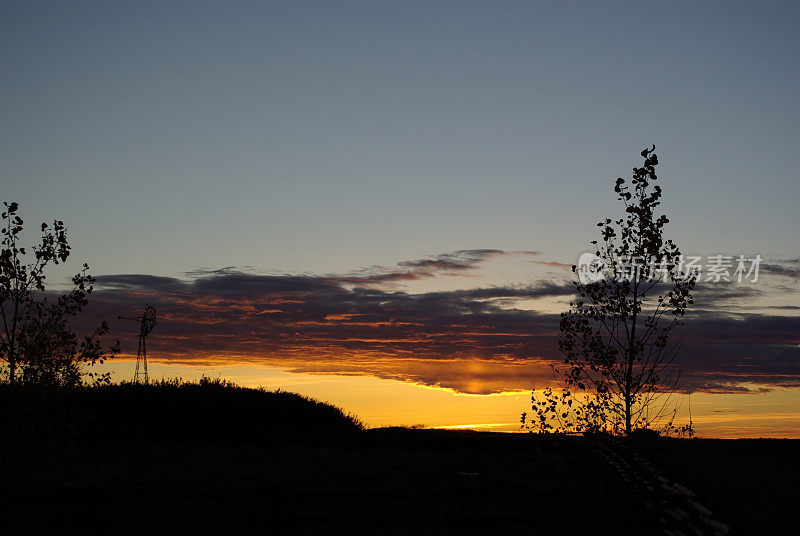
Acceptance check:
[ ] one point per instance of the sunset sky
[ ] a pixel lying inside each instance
(377, 203)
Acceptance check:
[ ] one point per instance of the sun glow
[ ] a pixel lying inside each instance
(385, 401)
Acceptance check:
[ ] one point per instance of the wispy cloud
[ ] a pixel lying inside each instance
(456, 263)
(785, 267)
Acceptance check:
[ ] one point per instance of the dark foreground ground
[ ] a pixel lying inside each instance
(153, 465)
(397, 482)
(386, 482)
(751, 484)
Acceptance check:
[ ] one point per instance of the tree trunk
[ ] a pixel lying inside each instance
(631, 359)
(627, 414)
(12, 341)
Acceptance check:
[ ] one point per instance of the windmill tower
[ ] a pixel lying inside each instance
(147, 321)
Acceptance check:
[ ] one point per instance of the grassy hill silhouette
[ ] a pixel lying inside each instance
(208, 411)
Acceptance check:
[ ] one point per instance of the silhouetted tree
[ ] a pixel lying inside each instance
(618, 372)
(36, 340)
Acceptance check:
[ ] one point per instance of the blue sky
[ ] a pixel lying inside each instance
(306, 137)
(375, 175)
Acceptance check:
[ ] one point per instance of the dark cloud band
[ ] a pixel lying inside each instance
(350, 325)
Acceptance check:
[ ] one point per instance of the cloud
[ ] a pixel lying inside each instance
(465, 259)
(475, 340)
(786, 268)
(456, 263)
(137, 281)
(729, 353)
(554, 264)
(323, 323)
(721, 294)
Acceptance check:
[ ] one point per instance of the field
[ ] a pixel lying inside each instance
(121, 477)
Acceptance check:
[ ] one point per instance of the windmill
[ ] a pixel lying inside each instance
(147, 321)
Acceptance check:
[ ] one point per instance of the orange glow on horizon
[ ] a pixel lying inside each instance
(396, 400)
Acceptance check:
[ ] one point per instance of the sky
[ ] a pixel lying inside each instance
(205, 155)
